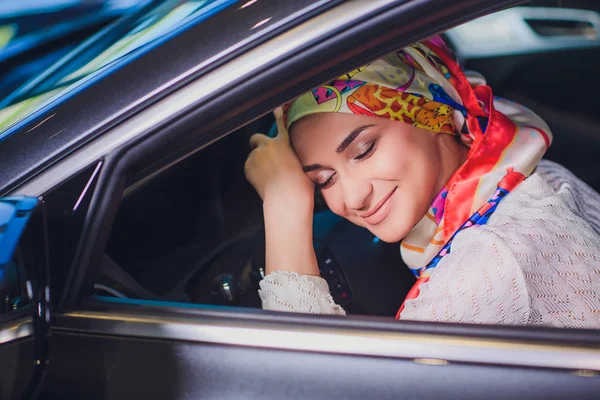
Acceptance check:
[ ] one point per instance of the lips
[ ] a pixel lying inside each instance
(380, 211)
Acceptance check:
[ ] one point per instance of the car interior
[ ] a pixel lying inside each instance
(215, 254)
(193, 231)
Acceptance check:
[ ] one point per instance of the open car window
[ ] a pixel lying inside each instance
(194, 233)
(214, 254)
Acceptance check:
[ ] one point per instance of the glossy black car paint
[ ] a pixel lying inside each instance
(43, 38)
(17, 367)
(179, 369)
(128, 87)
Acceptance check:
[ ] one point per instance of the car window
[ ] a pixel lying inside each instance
(35, 36)
(194, 233)
(56, 225)
(66, 209)
(113, 45)
(156, 251)
(7, 33)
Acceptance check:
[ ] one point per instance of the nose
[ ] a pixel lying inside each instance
(357, 193)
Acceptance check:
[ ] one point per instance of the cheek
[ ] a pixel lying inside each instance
(412, 160)
(418, 183)
(417, 199)
(390, 165)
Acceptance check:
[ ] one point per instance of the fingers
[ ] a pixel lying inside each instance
(257, 139)
(281, 128)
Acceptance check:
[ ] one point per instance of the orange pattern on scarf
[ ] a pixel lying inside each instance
(400, 106)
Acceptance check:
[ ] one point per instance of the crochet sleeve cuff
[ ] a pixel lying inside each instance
(292, 292)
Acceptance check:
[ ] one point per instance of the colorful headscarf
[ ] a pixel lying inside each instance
(423, 85)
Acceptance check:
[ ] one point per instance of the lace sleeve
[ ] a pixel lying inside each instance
(289, 291)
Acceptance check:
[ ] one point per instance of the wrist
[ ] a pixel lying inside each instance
(287, 203)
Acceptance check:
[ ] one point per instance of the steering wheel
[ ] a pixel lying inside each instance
(364, 274)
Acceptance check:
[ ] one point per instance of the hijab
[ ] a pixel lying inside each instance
(423, 85)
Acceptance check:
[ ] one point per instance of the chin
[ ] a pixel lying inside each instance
(394, 228)
(389, 237)
(390, 234)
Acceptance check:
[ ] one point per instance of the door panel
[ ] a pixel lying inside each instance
(109, 367)
(16, 367)
(16, 356)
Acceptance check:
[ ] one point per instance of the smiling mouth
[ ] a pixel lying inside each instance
(380, 211)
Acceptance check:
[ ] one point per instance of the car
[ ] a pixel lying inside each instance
(35, 34)
(129, 264)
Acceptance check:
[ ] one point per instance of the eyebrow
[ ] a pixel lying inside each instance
(350, 138)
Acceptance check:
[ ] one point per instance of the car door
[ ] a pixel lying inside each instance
(113, 347)
(38, 237)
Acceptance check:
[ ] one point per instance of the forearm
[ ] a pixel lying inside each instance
(288, 236)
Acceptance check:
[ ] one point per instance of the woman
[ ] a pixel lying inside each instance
(408, 148)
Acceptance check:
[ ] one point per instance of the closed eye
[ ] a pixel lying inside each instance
(368, 150)
(325, 184)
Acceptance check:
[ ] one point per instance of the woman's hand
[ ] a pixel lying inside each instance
(275, 171)
(288, 201)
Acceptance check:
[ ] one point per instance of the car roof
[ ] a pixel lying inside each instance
(134, 82)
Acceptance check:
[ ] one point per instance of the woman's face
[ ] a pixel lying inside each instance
(377, 173)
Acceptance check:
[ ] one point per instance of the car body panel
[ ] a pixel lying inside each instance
(208, 324)
(208, 87)
(52, 132)
(201, 353)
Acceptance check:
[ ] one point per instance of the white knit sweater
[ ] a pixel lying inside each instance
(535, 262)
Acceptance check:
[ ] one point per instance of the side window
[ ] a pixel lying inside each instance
(66, 210)
(187, 234)
(194, 233)
(47, 245)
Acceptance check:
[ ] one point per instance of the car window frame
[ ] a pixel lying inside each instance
(220, 119)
